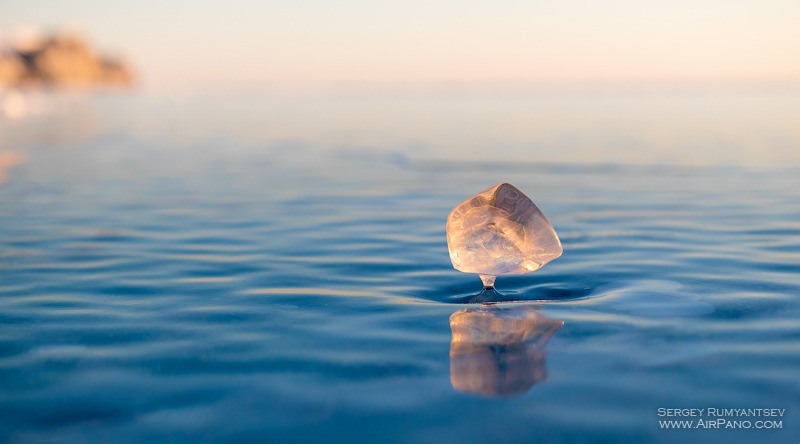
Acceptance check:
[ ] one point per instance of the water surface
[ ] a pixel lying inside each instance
(241, 279)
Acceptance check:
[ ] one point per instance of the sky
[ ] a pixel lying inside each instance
(418, 44)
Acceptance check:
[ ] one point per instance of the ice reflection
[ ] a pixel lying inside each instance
(499, 351)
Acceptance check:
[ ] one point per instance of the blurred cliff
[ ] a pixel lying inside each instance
(60, 61)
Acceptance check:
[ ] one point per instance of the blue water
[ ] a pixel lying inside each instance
(166, 280)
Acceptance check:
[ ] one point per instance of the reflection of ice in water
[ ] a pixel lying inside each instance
(500, 231)
(499, 352)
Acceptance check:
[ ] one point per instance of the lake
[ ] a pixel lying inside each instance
(271, 268)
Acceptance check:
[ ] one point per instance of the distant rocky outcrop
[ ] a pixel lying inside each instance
(60, 61)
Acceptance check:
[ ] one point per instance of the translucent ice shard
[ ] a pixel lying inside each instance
(500, 231)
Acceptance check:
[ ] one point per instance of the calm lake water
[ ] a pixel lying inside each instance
(275, 269)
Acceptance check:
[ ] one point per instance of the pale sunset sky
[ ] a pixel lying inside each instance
(322, 45)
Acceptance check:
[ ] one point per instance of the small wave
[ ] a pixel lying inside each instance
(649, 298)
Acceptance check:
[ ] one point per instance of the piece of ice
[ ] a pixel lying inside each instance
(500, 231)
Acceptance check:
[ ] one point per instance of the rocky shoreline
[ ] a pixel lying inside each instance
(60, 61)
